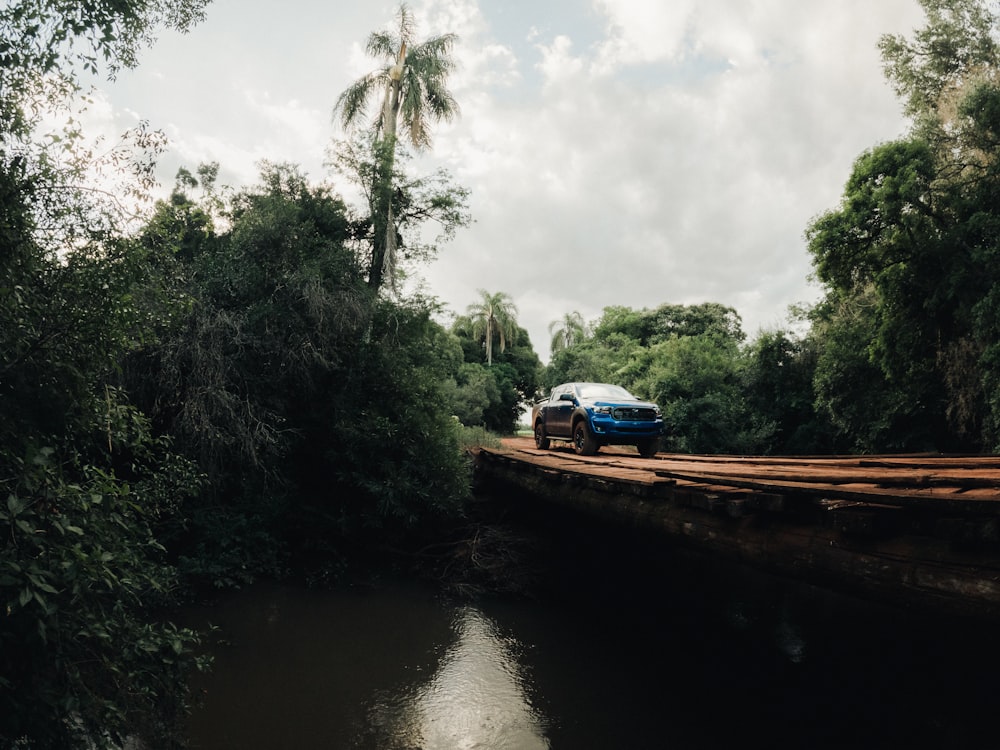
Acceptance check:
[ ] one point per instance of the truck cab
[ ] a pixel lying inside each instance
(590, 415)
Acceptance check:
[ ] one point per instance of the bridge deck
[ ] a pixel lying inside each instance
(954, 483)
(913, 529)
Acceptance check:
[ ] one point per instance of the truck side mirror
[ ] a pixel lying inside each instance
(566, 397)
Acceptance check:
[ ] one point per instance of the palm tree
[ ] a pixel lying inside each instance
(494, 316)
(412, 84)
(568, 331)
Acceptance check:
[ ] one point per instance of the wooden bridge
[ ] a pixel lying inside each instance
(916, 530)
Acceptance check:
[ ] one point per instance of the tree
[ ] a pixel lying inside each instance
(705, 319)
(274, 306)
(611, 359)
(909, 255)
(624, 321)
(390, 464)
(776, 377)
(413, 87)
(695, 381)
(958, 43)
(567, 332)
(494, 317)
(471, 393)
(670, 321)
(508, 384)
(44, 43)
(516, 370)
(417, 200)
(85, 656)
(313, 407)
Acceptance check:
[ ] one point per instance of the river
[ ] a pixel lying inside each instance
(610, 649)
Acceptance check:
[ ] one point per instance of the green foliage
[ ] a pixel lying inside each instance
(412, 90)
(494, 395)
(179, 229)
(83, 654)
(471, 393)
(44, 39)
(695, 381)
(957, 42)
(667, 321)
(909, 255)
(415, 201)
(492, 320)
(84, 657)
(503, 413)
(867, 411)
(477, 437)
(777, 382)
(572, 329)
(314, 409)
(886, 207)
(273, 303)
(411, 87)
(391, 459)
(689, 360)
(260, 349)
(611, 358)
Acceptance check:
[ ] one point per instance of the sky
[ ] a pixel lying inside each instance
(617, 152)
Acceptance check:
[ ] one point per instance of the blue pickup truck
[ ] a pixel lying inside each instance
(594, 414)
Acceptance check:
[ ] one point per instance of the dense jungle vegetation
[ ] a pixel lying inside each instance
(234, 387)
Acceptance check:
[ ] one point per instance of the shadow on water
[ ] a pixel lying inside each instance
(394, 668)
(621, 646)
(709, 654)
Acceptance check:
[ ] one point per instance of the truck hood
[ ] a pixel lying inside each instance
(619, 403)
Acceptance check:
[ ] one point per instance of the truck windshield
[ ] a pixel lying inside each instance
(604, 390)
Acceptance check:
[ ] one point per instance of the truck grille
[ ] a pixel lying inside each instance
(633, 414)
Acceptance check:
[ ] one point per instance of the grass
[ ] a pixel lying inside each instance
(476, 437)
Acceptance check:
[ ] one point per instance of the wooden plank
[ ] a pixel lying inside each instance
(896, 477)
(953, 483)
(859, 537)
(927, 499)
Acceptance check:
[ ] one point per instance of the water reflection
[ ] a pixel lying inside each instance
(478, 698)
(392, 669)
(789, 641)
(603, 661)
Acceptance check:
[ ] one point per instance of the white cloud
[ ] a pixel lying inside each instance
(288, 122)
(558, 65)
(639, 31)
(625, 152)
(689, 179)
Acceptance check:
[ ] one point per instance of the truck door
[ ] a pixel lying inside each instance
(560, 414)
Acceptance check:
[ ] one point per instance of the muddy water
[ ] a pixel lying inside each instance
(391, 667)
(613, 651)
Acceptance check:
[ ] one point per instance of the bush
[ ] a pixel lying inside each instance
(476, 437)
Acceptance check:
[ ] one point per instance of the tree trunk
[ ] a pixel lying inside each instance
(383, 264)
(384, 245)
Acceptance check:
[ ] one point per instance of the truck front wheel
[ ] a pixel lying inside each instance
(583, 442)
(541, 442)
